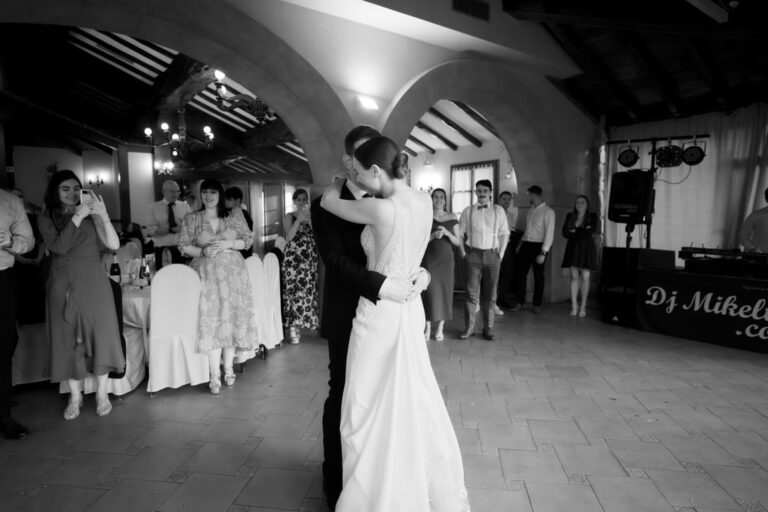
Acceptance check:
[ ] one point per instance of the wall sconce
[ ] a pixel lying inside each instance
(97, 183)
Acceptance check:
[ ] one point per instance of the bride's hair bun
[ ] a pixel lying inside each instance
(383, 152)
(400, 166)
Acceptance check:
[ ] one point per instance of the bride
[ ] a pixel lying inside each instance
(399, 450)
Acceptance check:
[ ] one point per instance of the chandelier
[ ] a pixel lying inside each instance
(178, 140)
(228, 101)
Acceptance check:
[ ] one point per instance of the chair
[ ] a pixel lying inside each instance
(258, 287)
(173, 316)
(274, 317)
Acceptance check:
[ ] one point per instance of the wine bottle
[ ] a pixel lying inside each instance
(114, 269)
(144, 273)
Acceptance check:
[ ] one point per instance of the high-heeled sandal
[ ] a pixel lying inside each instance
(574, 310)
(103, 406)
(72, 410)
(582, 313)
(439, 337)
(293, 335)
(215, 384)
(229, 377)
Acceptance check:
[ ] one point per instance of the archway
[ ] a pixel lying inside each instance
(220, 35)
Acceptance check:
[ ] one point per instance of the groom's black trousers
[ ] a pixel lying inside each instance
(332, 472)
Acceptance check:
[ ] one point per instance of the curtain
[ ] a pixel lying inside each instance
(706, 204)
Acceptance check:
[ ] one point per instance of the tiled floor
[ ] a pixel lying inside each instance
(558, 414)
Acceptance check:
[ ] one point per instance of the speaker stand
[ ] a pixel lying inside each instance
(629, 228)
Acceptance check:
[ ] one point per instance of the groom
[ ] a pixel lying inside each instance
(346, 280)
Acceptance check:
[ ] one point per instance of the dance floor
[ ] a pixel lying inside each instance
(557, 414)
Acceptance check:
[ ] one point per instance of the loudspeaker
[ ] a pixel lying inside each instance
(631, 198)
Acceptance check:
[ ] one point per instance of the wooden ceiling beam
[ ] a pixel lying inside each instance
(708, 69)
(437, 134)
(653, 71)
(409, 151)
(459, 129)
(422, 144)
(477, 117)
(592, 66)
(659, 16)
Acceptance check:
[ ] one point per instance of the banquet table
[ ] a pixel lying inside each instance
(31, 360)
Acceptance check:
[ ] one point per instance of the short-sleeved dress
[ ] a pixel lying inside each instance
(580, 250)
(227, 316)
(438, 260)
(80, 316)
(299, 279)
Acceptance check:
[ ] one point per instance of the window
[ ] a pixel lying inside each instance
(463, 179)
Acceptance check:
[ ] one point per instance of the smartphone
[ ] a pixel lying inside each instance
(86, 195)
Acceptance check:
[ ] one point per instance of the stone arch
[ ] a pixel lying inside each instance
(219, 35)
(497, 92)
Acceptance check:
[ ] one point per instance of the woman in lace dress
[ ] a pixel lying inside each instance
(227, 320)
(299, 270)
(399, 450)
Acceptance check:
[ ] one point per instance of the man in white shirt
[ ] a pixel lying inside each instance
(483, 227)
(165, 219)
(536, 244)
(15, 238)
(754, 231)
(506, 287)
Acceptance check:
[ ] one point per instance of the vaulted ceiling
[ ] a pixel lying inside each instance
(81, 88)
(646, 60)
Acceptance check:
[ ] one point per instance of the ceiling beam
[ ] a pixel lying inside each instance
(437, 134)
(653, 71)
(421, 143)
(708, 69)
(659, 16)
(183, 79)
(409, 151)
(477, 117)
(461, 131)
(592, 66)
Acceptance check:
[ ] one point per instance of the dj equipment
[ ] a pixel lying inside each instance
(631, 197)
(725, 262)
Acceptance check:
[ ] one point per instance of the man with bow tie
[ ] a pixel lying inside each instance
(165, 220)
(483, 226)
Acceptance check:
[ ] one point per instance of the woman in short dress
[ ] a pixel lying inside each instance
(439, 261)
(81, 318)
(227, 320)
(580, 252)
(299, 271)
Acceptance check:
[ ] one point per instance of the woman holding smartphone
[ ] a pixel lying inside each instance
(80, 316)
(300, 269)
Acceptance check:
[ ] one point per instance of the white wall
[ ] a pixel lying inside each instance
(31, 163)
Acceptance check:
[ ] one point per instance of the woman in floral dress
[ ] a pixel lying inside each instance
(300, 270)
(227, 319)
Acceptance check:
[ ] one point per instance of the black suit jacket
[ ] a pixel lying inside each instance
(346, 275)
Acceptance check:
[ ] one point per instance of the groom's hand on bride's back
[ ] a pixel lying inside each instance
(396, 289)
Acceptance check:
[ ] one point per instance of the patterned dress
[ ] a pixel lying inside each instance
(227, 315)
(300, 279)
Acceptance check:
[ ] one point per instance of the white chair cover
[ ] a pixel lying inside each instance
(173, 314)
(274, 320)
(256, 275)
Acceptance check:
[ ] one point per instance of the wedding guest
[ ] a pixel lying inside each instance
(580, 252)
(754, 232)
(15, 238)
(484, 228)
(81, 322)
(537, 242)
(439, 261)
(165, 218)
(227, 320)
(299, 269)
(506, 288)
(233, 198)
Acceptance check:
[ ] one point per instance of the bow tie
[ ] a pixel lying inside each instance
(481, 206)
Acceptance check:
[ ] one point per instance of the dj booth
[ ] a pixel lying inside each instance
(720, 297)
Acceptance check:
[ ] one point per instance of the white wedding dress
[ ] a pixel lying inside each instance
(399, 450)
